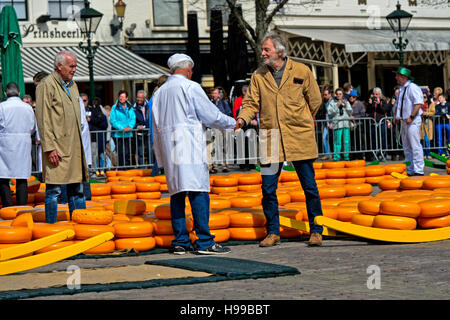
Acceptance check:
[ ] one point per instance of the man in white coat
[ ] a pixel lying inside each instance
(16, 127)
(181, 112)
(409, 109)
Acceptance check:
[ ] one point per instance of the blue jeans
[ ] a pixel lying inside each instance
(53, 192)
(305, 172)
(439, 141)
(86, 192)
(326, 143)
(426, 145)
(200, 210)
(142, 146)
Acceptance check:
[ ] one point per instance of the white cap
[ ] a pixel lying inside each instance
(178, 57)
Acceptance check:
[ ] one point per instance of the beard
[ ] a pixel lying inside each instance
(270, 61)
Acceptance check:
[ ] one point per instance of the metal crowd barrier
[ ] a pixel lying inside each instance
(367, 139)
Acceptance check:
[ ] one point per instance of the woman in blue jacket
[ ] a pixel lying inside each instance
(123, 119)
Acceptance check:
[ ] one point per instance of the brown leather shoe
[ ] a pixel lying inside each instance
(270, 240)
(315, 239)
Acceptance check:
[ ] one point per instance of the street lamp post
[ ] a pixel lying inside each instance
(88, 22)
(399, 21)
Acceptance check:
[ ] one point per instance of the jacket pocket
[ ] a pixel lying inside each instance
(63, 145)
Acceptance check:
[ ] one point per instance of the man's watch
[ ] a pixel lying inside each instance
(412, 117)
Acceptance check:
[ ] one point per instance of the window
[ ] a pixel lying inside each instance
(218, 4)
(19, 5)
(63, 9)
(168, 13)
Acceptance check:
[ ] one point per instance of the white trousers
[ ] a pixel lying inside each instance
(412, 147)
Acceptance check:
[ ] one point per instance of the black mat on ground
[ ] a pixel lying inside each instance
(229, 267)
(223, 269)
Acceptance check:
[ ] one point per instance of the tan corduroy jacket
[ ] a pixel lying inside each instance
(286, 112)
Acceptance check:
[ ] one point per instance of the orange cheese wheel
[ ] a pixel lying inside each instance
(288, 176)
(249, 187)
(332, 192)
(85, 231)
(247, 219)
(219, 190)
(10, 234)
(227, 211)
(126, 173)
(431, 184)
(124, 196)
(100, 189)
(6, 222)
(327, 211)
(400, 208)
(340, 181)
(163, 188)
(162, 211)
(104, 248)
(362, 189)
(218, 221)
(289, 233)
(38, 214)
(297, 196)
(222, 181)
(355, 180)
(144, 179)
(55, 246)
(149, 195)
(100, 198)
(333, 164)
(220, 235)
(411, 183)
(394, 222)
(389, 184)
(120, 217)
(283, 198)
(337, 174)
(345, 214)
(23, 220)
(88, 216)
(39, 197)
(355, 164)
(137, 244)
(164, 241)
(317, 165)
(164, 227)
(320, 174)
(42, 229)
(113, 179)
(161, 179)
(363, 220)
(250, 179)
(9, 213)
(434, 208)
(374, 180)
(147, 186)
(110, 173)
(375, 170)
(413, 198)
(442, 190)
(250, 233)
(133, 229)
(123, 188)
(437, 222)
(245, 202)
(129, 179)
(219, 203)
(369, 207)
(389, 168)
(131, 207)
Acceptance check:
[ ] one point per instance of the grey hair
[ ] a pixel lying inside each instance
(60, 58)
(378, 90)
(278, 42)
(12, 90)
(142, 91)
(184, 64)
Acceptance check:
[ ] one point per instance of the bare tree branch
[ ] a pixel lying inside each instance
(275, 10)
(246, 28)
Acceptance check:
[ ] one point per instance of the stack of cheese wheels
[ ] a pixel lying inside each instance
(89, 223)
(218, 227)
(224, 184)
(100, 191)
(147, 188)
(163, 183)
(249, 182)
(19, 231)
(248, 225)
(136, 235)
(448, 166)
(434, 213)
(123, 190)
(38, 214)
(162, 225)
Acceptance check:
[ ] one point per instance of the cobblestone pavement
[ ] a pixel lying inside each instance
(337, 270)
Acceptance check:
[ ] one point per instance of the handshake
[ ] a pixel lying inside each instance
(239, 125)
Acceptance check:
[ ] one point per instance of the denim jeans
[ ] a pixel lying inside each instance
(439, 128)
(426, 145)
(305, 172)
(200, 210)
(86, 192)
(143, 147)
(53, 192)
(326, 143)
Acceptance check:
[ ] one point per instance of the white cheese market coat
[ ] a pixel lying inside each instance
(181, 112)
(17, 123)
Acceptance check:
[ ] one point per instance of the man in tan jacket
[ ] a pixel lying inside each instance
(58, 119)
(287, 97)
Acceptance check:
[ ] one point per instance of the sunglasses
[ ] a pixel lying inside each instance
(84, 100)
